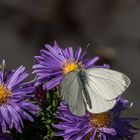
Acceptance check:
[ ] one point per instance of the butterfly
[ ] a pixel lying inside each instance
(94, 90)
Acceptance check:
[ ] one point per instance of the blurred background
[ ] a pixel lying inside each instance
(111, 27)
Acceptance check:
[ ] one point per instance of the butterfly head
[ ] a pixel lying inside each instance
(80, 66)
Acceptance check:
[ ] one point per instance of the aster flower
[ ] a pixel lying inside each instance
(14, 106)
(54, 63)
(104, 126)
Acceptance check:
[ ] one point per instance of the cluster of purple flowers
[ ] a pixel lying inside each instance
(53, 64)
(50, 68)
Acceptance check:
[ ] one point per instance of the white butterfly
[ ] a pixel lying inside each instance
(94, 90)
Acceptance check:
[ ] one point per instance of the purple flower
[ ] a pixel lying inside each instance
(54, 63)
(14, 106)
(104, 126)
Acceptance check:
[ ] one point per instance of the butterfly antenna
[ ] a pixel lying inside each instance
(86, 47)
(84, 53)
(2, 68)
(3, 65)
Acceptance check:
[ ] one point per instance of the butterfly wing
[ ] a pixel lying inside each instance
(108, 84)
(71, 93)
(99, 104)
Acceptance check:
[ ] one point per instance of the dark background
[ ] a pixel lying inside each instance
(111, 27)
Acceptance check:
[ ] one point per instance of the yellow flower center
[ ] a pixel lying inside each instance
(4, 94)
(70, 66)
(101, 120)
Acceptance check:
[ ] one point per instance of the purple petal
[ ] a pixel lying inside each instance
(28, 116)
(70, 52)
(93, 136)
(78, 53)
(3, 125)
(55, 53)
(5, 114)
(54, 82)
(15, 117)
(91, 62)
(13, 79)
(110, 131)
(1, 77)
